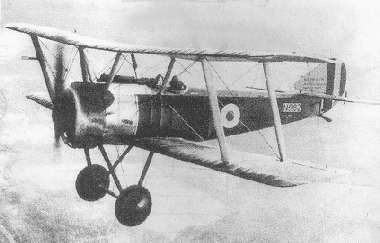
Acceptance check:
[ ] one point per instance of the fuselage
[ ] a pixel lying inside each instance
(130, 115)
(124, 112)
(189, 116)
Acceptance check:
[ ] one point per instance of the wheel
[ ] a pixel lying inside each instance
(92, 182)
(133, 205)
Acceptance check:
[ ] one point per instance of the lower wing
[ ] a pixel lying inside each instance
(264, 169)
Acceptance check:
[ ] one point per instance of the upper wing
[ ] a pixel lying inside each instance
(260, 168)
(70, 38)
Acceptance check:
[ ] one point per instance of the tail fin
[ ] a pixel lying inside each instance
(327, 79)
(314, 81)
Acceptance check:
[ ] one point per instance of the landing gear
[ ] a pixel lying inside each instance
(133, 204)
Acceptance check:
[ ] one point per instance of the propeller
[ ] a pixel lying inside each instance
(58, 100)
(94, 100)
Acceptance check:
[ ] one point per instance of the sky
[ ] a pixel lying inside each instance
(342, 29)
(233, 209)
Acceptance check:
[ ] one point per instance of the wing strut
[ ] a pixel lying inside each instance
(167, 75)
(42, 60)
(86, 77)
(216, 117)
(134, 64)
(114, 69)
(276, 114)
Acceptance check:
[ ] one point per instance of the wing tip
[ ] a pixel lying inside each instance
(11, 26)
(15, 26)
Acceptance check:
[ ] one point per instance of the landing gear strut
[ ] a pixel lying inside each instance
(133, 204)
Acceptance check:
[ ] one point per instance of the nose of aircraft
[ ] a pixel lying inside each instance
(84, 111)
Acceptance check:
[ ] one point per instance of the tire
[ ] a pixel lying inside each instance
(133, 205)
(91, 182)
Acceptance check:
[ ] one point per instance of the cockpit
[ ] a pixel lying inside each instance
(175, 85)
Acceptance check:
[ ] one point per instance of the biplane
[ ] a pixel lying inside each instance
(174, 120)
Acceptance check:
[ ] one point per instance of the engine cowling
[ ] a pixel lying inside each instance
(84, 113)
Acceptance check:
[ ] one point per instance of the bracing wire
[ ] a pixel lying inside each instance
(185, 121)
(145, 69)
(185, 69)
(262, 135)
(47, 63)
(106, 68)
(48, 50)
(71, 64)
(118, 155)
(67, 70)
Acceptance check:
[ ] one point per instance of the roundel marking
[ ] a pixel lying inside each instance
(230, 115)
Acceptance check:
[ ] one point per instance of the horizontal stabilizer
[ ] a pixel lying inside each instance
(256, 167)
(41, 101)
(344, 99)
